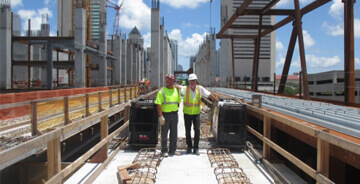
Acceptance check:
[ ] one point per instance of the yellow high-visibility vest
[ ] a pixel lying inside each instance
(191, 106)
(169, 103)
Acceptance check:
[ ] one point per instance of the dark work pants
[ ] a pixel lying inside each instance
(195, 120)
(171, 122)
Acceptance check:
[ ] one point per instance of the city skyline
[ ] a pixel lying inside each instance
(323, 36)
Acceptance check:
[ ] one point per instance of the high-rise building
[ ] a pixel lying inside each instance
(244, 48)
(135, 37)
(16, 25)
(95, 19)
(174, 51)
(192, 61)
(64, 19)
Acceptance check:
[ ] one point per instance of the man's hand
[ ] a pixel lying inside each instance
(162, 120)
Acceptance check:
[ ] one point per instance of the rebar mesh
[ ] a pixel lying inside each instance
(149, 159)
(227, 169)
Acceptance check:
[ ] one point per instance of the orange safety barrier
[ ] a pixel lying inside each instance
(37, 95)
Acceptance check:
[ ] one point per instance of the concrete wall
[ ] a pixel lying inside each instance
(123, 61)
(205, 62)
(155, 48)
(330, 85)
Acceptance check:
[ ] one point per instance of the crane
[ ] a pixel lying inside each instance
(117, 16)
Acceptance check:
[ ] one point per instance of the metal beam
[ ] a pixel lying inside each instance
(34, 38)
(255, 74)
(50, 66)
(349, 75)
(233, 62)
(269, 12)
(236, 36)
(236, 26)
(269, 6)
(288, 58)
(310, 7)
(301, 48)
(57, 64)
(232, 19)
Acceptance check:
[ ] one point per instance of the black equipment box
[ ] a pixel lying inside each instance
(143, 123)
(229, 123)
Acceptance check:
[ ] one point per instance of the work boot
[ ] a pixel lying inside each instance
(164, 154)
(174, 153)
(188, 150)
(196, 151)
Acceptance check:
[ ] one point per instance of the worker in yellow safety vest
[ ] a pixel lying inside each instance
(167, 102)
(192, 98)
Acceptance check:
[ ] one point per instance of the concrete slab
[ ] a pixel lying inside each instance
(186, 169)
(288, 174)
(255, 172)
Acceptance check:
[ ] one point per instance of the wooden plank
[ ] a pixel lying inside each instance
(110, 98)
(119, 95)
(34, 118)
(66, 111)
(53, 157)
(77, 163)
(267, 134)
(76, 127)
(102, 154)
(338, 141)
(301, 165)
(100, 107)
(124, 176)
(129, 166)
(131, 95)
(99, 169)
(15, 154)
(87, 106)
(323, 156)
(125, 92)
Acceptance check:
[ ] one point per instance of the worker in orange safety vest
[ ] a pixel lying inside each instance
(192, 98)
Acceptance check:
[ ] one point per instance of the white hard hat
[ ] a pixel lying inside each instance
(192, 77)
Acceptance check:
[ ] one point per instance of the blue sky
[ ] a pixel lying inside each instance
(188, 21)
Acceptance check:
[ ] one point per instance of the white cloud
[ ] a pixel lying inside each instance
(357, 28)
(46, 2)
(308, 41)
(290, 3)
(147, 40)
(187, 47)
(315, 61)
(280, 61)
(338, 29)
(135, 13)
(175, 34)
(334, 30)
(14, 3)
(337, 9)
(279, 45)
(312, 61)
(184, 3)
(357, 61)
(34, 16)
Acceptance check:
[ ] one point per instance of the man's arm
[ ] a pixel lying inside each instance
(208, 94)
(159, 110)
